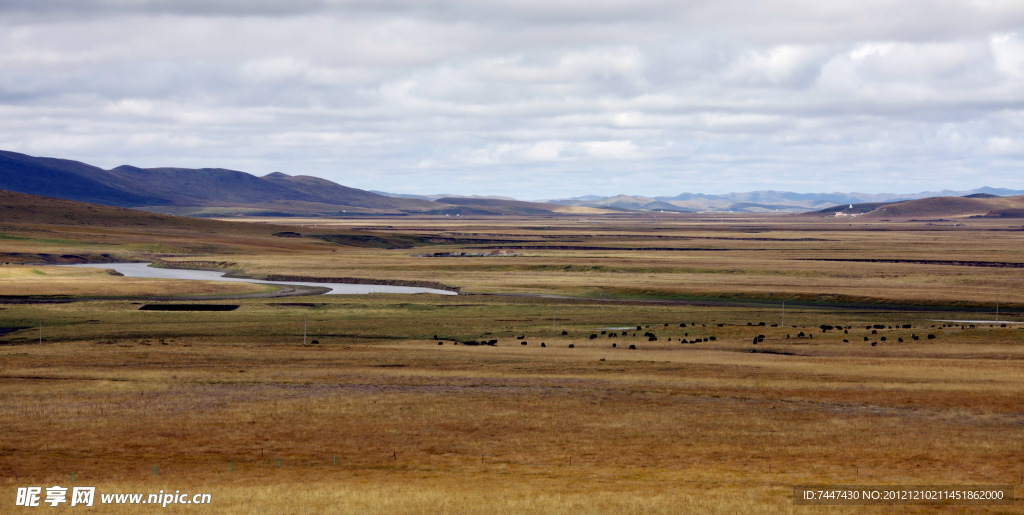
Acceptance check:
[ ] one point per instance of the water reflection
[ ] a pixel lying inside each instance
(143, 270)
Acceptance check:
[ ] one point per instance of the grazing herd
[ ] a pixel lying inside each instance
(873, 334)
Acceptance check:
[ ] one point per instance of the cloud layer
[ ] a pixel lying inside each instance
(533, 99)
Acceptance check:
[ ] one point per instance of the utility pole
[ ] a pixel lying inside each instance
(304, 318)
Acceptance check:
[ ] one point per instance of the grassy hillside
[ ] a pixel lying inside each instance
(935, 207)
(64, 178)
(43, 229)
(948, 207)
(327, 192)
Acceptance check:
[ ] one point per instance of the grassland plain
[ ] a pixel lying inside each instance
(397, 407)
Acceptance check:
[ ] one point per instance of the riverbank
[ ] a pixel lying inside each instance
(233, 270)
(289, 288)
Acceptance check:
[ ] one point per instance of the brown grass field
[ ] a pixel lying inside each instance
(90, 282)
(377, 417)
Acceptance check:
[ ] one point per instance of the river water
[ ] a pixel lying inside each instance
(145, 271)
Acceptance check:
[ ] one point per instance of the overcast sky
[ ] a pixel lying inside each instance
(528, 98)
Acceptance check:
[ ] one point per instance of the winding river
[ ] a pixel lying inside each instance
(145, 271)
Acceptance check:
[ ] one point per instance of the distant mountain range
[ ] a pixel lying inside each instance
(221, 192)
(189, 191)
(762, 201)
(748, 202)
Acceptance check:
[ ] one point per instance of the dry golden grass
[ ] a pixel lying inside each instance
(679, 258)
(89, 282)
(214, 400)
(379, 418)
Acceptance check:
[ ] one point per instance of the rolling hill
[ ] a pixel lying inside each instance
(64, 179)
(935, 208)
(25, 210)
(36, 229)
(192, 191)
(490, 206)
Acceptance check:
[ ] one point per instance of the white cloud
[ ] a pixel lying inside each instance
(132, 107)
(1005, 145)
(871, 49)
(782, 65)
(630, 94)
(1008, 53)
(611, 149)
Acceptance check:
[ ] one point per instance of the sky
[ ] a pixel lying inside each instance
(532, 99)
